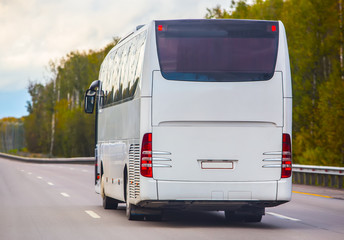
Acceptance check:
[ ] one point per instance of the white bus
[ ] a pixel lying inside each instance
(195, 114)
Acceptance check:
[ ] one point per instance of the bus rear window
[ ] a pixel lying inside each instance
(217, 50)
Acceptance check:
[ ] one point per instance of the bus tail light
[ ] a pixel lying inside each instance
(97, 175)
(286, 156)
(146, 156)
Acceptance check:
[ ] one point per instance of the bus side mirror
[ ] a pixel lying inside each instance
(90, 99)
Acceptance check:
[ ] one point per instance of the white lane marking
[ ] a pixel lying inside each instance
(71, 168)
(50, 183)
(29, 173)
(65, 194)
(283, 217)
(92, 214)
(39, 177)
(22, 170)
(84, 170)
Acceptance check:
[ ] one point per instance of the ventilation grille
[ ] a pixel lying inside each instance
(134, 170)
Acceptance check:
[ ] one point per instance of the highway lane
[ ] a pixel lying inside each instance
(43, 201)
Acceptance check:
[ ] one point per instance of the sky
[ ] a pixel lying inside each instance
(35, 32)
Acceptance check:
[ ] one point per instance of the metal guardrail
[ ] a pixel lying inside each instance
(318, 175)
(77, 160)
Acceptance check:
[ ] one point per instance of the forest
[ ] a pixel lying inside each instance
(315, 41)
(57, 126)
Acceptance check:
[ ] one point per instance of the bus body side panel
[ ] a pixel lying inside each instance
(113, 158)
(120, 134)
(121, 131)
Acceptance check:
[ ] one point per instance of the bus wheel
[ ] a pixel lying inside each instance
(232, 216)
(254, 218)
(154, 218)
(109, 203)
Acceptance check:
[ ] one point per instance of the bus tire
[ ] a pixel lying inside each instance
(232, 217)
(253, 218)
(109, 203)
(154, 218)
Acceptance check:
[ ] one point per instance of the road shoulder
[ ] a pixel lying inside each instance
(317, 190)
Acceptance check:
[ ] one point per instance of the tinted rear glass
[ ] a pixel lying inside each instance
(217, 50)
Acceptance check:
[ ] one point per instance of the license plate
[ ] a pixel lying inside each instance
(217, 165)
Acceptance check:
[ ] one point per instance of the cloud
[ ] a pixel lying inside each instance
(33, 32)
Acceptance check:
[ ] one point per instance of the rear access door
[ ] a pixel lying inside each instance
(217, 103)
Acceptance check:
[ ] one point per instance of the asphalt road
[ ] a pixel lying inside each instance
(43, 201)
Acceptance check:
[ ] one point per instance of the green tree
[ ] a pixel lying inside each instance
(315, 37)
(56, 124)
(11, 135)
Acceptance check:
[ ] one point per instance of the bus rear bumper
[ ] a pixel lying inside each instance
(208, 205)
(219, 191)
(219, 196)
